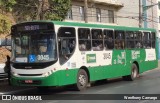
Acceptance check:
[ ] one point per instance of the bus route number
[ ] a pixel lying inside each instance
(107, 56)
(43, 57)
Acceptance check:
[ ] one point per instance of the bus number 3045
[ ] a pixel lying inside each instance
(107, 56)
(43, 57)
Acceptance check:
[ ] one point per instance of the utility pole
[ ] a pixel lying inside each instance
(86, 11)
(45, 7)
(145, 8)
(140, 15)
(39, 10)
(152, 15)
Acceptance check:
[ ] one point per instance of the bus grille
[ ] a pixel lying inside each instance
(30, 74)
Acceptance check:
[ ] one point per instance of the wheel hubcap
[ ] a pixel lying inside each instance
(82, 80)
(134, 72)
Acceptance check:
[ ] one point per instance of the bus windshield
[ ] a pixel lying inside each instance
(34, 48)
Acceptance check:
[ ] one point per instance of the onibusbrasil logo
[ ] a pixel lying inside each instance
(22, 97)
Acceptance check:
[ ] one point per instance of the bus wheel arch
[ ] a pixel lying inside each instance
(83, 78)
(87, 71)
(133, 73)
(135, 62)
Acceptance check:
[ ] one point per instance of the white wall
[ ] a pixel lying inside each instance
(129, 14)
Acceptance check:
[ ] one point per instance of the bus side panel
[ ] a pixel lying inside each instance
(67, 77)
(149, 60)
(59, 78)
(120, 66)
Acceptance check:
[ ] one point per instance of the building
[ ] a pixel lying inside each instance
(158, 16)
(101, 11)
(135, 13)
(117, 12)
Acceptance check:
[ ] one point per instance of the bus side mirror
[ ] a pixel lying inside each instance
(8, 42)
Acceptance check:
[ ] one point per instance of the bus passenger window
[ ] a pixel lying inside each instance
(71, 45)
(97, 39)
(108, 39)
(84, 39)
(153, 36)
(146, 40)
(66, 44)
(119, 40)
(82, 45)
(130, 39)
(138, 39)
(98, 47)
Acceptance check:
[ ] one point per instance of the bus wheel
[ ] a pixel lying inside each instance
(82, 80)
(134, 73)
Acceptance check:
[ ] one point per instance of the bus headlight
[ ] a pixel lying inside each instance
(14, 74)
(47, 73)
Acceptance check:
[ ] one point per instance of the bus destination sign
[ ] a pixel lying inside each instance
(32, 27)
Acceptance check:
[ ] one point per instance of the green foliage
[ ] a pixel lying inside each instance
(27, 10)
(5, 24)
(58, 9)
(7, 5)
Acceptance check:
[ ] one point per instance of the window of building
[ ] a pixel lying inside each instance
(69, 15)
(147, 39)
(97, 39)
(108, 39)
(84, 39)
(111, 16)
(98, 14)
(81, 11)
(119, 39)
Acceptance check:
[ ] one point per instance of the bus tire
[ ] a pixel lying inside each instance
(134, 73)
(82, 80)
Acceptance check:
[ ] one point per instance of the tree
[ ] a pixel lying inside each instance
(26, 10)
(57, 10)
(5, 24)
(5, 21)
(6, 5)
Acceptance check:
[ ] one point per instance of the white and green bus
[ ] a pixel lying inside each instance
(55, 53)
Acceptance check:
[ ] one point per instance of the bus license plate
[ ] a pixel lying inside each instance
(28, 81)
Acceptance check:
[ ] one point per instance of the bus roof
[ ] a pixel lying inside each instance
(78, 24)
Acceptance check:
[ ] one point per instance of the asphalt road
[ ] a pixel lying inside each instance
(147, 83)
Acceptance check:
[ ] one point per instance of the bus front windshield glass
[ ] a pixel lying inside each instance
(34, 48)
